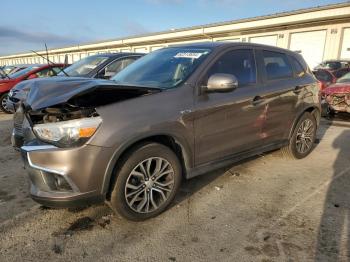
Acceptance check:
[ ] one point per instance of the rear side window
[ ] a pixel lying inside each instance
(341, 72)
(277, 65)
(119, 65)
(240, 63)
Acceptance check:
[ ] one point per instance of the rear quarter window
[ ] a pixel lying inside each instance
(299, 69)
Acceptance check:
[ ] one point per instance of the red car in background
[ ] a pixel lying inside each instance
(337, 96)
(329, 71)
(325, 77)
(7, 70)
(31, 72)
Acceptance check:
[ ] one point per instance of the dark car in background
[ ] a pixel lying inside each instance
(101, 66)
(334, 65)
(97, 66)
(337, 67)
(175, 113)
(30, 72)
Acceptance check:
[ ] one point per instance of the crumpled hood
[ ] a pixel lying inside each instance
(339, 88)
(48, 92)
(25, 84)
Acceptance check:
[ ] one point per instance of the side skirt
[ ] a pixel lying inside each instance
(214, 165)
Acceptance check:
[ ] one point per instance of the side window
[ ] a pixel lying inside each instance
(277, 65)
(299, 70)
(240, 63)
(56, 70)
(44, 73)
(341, 72)
(119, 65)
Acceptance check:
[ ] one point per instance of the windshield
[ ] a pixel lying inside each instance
(84, 66)
(23, 72)
(164, 68)
(344, 79)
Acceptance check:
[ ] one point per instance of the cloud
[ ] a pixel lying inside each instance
(9, 34)
(16, 40)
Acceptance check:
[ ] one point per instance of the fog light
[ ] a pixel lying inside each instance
(61, 183)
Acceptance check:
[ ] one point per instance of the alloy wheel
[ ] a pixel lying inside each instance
(305, 136)
(149, 185)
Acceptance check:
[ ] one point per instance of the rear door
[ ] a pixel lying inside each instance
(282, 93)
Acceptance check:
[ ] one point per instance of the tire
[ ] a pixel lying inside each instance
(133, 182)
(327, 111)
(330, 112)
(293, 149)
(3, 99)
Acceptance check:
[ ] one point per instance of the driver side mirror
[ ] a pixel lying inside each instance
(222, 83)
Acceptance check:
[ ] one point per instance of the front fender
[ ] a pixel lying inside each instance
(187, 153)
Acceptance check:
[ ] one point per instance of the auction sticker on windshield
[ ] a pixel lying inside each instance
(190, 55)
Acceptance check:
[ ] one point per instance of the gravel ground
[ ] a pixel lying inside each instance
(263, 209)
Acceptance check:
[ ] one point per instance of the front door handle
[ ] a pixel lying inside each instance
(257, 100)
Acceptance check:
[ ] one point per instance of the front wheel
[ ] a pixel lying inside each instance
(303, 138)
(3, 103)
(147, 182)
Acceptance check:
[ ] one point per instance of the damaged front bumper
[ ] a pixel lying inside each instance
(66, 177)
(338, 102)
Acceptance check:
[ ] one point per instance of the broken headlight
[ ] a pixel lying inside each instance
(68, 133)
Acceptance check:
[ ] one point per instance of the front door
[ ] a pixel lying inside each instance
(228, 123)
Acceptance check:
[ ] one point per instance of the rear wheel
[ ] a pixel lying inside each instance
(147, 182)
(3, 103)
(302, 141)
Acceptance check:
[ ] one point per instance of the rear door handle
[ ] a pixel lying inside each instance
(257, 100)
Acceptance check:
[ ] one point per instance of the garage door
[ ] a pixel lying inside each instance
(76, 57)
(310, 45)
(345, 48)
(265, 40)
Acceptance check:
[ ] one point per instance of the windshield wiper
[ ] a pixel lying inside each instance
(5, 74)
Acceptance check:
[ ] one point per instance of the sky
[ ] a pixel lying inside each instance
(28, 25)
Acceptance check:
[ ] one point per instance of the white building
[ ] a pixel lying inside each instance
(318, 33)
